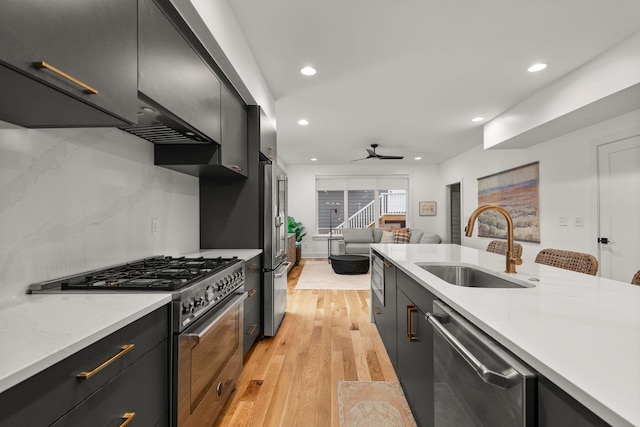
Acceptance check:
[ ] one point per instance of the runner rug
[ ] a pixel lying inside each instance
(320, 275)
(373, 404)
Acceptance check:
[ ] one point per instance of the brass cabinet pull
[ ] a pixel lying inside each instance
(123, 350)
(375, 310)
(127, 417)
(86, 87)
(410, 310)
(253, 328)
(252, 292)
(236, 167)
(386, 264)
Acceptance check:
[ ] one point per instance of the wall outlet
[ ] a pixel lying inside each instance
(563, 221)
(579, 221)
(155, 227)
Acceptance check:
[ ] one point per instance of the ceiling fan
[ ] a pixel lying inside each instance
(374, 155)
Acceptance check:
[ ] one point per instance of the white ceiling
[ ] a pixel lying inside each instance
(411, 74)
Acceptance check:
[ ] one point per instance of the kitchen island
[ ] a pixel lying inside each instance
(580, 332)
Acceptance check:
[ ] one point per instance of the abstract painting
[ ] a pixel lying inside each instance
(516, 190)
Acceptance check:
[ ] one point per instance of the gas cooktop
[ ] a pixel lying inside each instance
(156, 273)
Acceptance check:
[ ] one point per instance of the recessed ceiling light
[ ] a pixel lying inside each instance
(308, 71)
(314, 159)
(303, 122)
(417, 158)
(537, 67)
(477, 119)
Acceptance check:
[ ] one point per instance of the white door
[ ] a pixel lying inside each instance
(619, 208)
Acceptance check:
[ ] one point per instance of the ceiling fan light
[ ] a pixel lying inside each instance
(417, 158)
(313, 159)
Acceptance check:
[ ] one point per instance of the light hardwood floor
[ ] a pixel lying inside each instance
(291, 379)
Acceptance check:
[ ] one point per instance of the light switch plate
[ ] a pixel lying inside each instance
(579, 221)
(563, 221)
(155, 227)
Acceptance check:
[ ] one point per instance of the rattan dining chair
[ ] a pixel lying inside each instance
(500, 247)
(575, 261)
(636, 279)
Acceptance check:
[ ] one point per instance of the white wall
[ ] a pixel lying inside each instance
(72, 200)
(424, 184)
(568, 182)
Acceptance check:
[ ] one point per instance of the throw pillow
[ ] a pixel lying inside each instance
(387, 237)
(401, 236)
(430, 238)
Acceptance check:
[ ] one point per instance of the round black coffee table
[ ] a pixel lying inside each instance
(350, 264)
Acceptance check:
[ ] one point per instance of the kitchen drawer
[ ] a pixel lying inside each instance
(252, 324)
(48, 395)
(141, 391)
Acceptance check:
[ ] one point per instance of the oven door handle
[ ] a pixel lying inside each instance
(201, 331)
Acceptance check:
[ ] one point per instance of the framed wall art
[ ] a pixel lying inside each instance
(516, 190)
(427, 208)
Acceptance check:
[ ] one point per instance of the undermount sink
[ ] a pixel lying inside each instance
(469, 276)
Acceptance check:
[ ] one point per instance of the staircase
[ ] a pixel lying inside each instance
(391, 204)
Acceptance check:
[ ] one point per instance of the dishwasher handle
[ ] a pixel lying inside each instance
(503, 380)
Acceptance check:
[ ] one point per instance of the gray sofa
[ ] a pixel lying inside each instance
(356, 241)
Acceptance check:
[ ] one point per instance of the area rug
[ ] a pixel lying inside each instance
(373, 404)
(320, 275)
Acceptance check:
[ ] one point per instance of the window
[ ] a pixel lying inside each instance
(330, 210)
(363, 201)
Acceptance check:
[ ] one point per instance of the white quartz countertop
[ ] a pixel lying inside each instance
(580, 331)
(37, 331)
(245, 254)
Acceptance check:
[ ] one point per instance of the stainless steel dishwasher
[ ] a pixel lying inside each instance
(477, 383)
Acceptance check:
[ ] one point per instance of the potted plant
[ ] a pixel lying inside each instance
(296, 227)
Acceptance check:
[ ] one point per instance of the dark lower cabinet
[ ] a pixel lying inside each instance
(66, 64)
(253, 303)
(557, 409)
(135, 384)
(415, 348)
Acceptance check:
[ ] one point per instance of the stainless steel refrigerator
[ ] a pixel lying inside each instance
(275, 265)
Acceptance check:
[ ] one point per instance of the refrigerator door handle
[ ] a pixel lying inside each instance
(284, 267)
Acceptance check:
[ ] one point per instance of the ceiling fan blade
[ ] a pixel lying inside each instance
(371, 153)
(390, 157)
(357, 160)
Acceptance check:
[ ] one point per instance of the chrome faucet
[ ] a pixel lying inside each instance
(512, 259)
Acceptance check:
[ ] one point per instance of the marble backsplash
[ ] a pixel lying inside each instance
(72, 200)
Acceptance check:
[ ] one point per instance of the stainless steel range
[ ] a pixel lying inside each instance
(207, 323)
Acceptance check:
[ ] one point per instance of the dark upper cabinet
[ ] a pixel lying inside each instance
(234, 133)
(173, 74)
(89, 45)
(268, 138)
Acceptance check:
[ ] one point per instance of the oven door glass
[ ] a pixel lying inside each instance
(206, 349)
